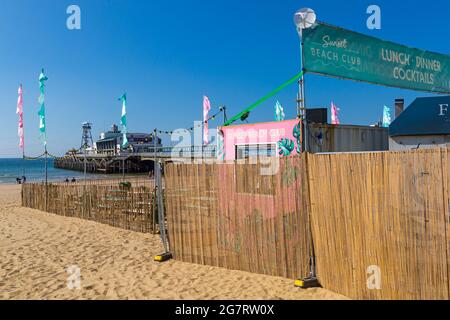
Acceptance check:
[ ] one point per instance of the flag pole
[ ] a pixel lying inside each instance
(23, 150)
(43, 129)
(23, 161)
(85, 165)
(46, 177)
(123, 121)
(46, 166)
(22, 139)
(224, 108)
(154, 152)
(84, 178)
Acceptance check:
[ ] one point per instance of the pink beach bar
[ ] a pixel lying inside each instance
(261, 139)
(267, 195)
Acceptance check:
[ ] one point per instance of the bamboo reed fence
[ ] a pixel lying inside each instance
(232, 216)
(364, 213)
(108, 202)
(384, 212)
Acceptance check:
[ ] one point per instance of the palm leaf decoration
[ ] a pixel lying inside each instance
(286, 147)
(296, 132)
(297, 135)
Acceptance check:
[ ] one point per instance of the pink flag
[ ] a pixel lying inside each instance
(334, 114)
(19, 111)
(206, 109)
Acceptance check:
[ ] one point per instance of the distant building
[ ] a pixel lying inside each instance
(110, 143)
(326, 138)
(323, 137)
(424, 124)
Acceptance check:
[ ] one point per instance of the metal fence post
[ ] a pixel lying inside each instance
(160, 200)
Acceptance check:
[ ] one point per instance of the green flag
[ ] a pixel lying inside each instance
(123, 119)
(386, 117)
(279, 112)
(41, 113)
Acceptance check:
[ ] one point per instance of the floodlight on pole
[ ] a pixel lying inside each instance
(304, 18)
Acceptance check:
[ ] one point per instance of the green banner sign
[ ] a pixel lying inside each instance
(333, 51)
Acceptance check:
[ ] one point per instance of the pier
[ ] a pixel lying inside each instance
(134, 162)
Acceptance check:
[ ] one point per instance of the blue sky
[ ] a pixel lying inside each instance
(167, 54)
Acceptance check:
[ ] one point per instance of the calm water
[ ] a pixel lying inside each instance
(10, 169)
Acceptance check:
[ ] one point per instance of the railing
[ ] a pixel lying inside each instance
(208, 152)
(176, 152)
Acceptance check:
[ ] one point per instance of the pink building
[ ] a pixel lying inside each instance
(260, 139)
(267, 195)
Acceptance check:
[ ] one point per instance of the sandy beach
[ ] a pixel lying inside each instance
(36, 249)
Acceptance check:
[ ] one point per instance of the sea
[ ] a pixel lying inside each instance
(34, 171)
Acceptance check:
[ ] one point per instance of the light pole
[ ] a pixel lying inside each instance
(303, 19)
(155, 133)
(85, 163)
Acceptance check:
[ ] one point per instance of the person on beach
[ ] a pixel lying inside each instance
(18, 181)
(67, 180)
(24, 179)
(73, 180)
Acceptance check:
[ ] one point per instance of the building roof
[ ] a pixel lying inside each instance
(106, 140)
(425, 116)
